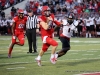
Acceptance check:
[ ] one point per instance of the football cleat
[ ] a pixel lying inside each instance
(9, 55)
(53, 60)
(38, 62)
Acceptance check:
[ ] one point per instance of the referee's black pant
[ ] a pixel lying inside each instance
(31, 36)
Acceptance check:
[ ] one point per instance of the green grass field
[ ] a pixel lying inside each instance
(84, 57)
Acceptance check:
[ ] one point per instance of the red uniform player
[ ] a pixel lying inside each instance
(46, 21)
(18, 30)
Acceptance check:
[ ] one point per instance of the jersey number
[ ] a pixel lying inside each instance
(21, 26)
(69, 30)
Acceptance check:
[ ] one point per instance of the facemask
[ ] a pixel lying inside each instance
(70, 21)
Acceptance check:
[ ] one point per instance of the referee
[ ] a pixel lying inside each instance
(31, 31)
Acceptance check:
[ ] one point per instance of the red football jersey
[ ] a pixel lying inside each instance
(20, 23)
(50, 31)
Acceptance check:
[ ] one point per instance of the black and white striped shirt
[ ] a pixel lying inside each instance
(31, 22)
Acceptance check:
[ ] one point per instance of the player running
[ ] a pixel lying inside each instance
(69, 25)
(18, 30)
(46, 21)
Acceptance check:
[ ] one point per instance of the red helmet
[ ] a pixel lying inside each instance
(45, 8)
(20, 11)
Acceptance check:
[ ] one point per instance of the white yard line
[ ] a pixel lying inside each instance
(89, 50)
(92, 51)
(94, 73)
(78, 41)
(45, 61)
(87, 54)
(15, 68)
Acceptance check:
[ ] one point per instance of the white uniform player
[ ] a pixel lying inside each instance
(87, 23)
(92, 25)
(97, 19)
(69, 24)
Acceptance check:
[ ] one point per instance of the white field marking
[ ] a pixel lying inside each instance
(74, 41)
(87, 54)
(5, 38)
(69, 50)
(85, 45)
(94, 73)
(46, 61)
(14, 63)
(91, 51)
(2, 47)
(78, 41)
(15, 68)
(85, 50)
(73, 53)
(13, 50)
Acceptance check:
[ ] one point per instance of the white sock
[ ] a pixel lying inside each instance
(89, 35)
(39, 57)
(56, 55)
(52, 55)
(86, 35)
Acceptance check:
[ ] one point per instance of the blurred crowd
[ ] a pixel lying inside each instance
(4, 4)
(80, 8)
(6, 20)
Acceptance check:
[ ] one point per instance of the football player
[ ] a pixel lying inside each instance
(46, 21)
(18, 30)
(68, 26)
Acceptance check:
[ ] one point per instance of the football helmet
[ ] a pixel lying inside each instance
(46, 11)
(70, 19)
(20, 13)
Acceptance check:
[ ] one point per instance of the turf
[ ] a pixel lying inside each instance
(84, 57)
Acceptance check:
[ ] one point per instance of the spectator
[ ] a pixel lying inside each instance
(56, 2)
(58, 9)
(11, 2)
(45, 2)
(13, 11)
(4, 26)
(2, 14)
